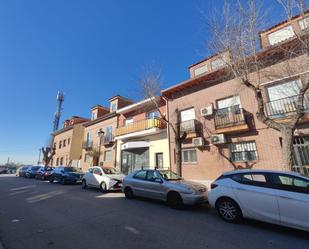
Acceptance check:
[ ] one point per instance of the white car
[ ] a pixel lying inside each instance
(102, 178)
(271, 196)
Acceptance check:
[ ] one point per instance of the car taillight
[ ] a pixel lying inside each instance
(213, 185)
(46, 174)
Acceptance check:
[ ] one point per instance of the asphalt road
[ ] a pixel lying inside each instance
(39, 215)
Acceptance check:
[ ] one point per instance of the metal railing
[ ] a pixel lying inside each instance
(229, 117)
(107, 139)
(141, 125)
(190, 126)
(301, 155)
(281, 107)
(87, 145)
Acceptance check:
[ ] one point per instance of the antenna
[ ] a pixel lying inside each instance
(60, 99)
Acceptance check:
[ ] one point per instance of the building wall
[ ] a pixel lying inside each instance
(212, 160)
(93, 130)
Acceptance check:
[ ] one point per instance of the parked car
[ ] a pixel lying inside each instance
(22, 171)
(102, 178)
(44, 173)
(164, 185)
(66, 175)
(31, 171)
(270, 196)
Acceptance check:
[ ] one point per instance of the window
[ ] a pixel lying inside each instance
(107, 155)
(57, 161)
(109, 133)
(113, 107)
(200, 70)
(216, 64)
(61, 161)
(60, 144)
(55, 145)
(187, 115)
(64, 142)
(189, 156)
(229, 102)
(304, 23)
(93, 115)
(284, 90)
(281, 35)
(141, 175)
(89, 139)
(87, 158)
(97, 171)
(290, 183)
(69, 140)
(152, 115)
(153, 175)
(256, 179)
(244, 151)
(128, 121)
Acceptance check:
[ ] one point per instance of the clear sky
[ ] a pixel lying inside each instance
(91, 50)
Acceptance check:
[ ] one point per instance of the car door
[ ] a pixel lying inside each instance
(293, 199)
(138, 183)
(97, 176)
(89, 177)
(257, 198)
(154, 187)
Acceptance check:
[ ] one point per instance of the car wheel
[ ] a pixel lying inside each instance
(174, 200)
(103, 187)
(84, 184)
(128, 193)
(51, 179)
(229, 210)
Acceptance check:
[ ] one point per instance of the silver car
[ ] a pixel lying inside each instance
(164, 185)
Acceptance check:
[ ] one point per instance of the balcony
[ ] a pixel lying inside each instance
(281, 109)
(87, 145)
(108, 139)
(191, 127)
(142, 127)
(229, 120)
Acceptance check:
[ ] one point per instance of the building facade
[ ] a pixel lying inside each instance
(141, 136)
(218, 114)
(99, 147)
(68, 142)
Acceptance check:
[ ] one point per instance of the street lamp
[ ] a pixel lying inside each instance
(100, 135)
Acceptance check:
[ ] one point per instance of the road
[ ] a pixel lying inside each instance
(39, 215)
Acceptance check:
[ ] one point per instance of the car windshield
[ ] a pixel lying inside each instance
(71, 169)
(109, 171)
(35, 168)
(169, 175)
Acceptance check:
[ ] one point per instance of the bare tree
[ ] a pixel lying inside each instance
(48, 154)
(150, 85)
(235, 32)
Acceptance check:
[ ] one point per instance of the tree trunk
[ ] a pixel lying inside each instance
(287, 148)
(178, 142)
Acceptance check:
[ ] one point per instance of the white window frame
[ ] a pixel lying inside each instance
(190, 161)
(113, 107)
(243, 148)
(217, 63)
(281, 35)
(187, 115)
(304, 23)
(200, 70)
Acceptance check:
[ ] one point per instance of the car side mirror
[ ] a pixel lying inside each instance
(158, 180)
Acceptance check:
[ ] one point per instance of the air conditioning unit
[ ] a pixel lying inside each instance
(218, 139)
(197, 142)
(207, 111)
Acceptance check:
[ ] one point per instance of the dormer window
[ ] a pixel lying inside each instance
(281, 35)
(216, 64)
(200, 70)
(113, 107)
(93, 115)
(304, 23)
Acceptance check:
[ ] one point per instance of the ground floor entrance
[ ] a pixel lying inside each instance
(134, 159)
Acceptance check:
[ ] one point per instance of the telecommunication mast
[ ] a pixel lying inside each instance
(60, 99)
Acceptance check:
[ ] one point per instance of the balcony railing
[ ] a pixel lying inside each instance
(107, 139)
(229, 117)
(141, 125)
(87, 145)
(285, 106)
(190, 126)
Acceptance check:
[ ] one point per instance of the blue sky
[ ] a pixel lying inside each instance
(91, 50)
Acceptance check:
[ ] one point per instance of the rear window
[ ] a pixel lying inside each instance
(35, 168)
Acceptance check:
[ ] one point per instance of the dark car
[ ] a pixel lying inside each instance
(44, 173)
(31, 171)
(66, 175)
(22, 171)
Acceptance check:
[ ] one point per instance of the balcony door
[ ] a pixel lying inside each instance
(283, 97)
(229, 111)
